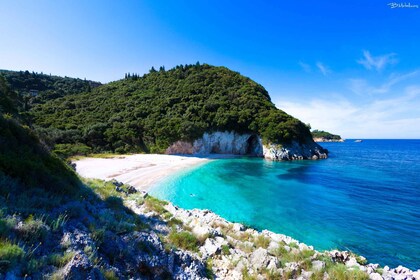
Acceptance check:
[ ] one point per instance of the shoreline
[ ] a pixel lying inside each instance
(142, 171)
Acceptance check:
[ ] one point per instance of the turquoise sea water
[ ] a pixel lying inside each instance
(364, 198)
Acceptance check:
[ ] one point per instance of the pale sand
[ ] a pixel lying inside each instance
(141, 171)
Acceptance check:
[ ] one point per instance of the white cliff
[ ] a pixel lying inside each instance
(247, 144)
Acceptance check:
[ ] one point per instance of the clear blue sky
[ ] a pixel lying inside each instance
(350, 67)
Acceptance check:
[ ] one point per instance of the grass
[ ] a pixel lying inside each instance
(155, 205)
(340, 272)
(109, 274)
(60, 260)
(225, 250)
(59, 222)
(262, 241)
(246, 275)
(10, 254)
(184, 240)
(33, 229)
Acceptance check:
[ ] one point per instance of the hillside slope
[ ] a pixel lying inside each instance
(31, 88)
(151, 113)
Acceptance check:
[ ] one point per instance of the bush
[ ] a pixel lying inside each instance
(184, 240)
(10, 255)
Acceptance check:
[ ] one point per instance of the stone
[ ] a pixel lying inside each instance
(375, 276)
(210, 247)
(131, 189)
(238, 227)
(416, 274)
(80, 268)
(318, 265)
(259, 258)
(352, 262)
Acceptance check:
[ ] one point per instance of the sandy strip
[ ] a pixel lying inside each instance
(141, 171)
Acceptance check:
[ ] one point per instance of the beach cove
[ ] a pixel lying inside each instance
(184, 170)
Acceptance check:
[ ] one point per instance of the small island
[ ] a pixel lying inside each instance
(324, 136)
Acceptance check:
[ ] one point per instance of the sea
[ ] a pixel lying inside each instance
(364, 198)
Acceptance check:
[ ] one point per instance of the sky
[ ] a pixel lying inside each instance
(348, 67)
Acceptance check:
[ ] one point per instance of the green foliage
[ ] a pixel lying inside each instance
(60, 260)
(184, 240)
(148, 113)
(33, 88)
(155, 205)
(262, 241)
(326, 135)
(340, 272)
(23, 157)
(10, 254)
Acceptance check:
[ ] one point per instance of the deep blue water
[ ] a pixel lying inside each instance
(365, 197)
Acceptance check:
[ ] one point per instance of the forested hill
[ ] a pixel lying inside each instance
(30, 87)
(151, 112)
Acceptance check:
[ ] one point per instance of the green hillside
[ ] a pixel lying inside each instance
(32, 88)
(148, 113)
(325, 135)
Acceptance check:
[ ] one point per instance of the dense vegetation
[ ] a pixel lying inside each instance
(326, 135)
(147, 114)
(33, 88)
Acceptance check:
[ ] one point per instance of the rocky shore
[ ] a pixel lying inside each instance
(198, 244)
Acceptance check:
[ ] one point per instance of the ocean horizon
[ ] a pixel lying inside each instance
(363, 198)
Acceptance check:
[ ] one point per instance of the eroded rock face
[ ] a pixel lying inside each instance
(247, 144)
(220, 143)
(294, 151)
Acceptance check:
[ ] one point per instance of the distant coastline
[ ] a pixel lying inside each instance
(322, 139)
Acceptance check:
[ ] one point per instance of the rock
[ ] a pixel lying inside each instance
(238, 227)
(375, 276)
(352, 262)
(210, 247)
(292, 267)
(303, 247)
(143, 194)
(294, 151)
(318, 265)
(416, 274)
(80, 268)
(117, 183)
(131, 189)
(259, 258)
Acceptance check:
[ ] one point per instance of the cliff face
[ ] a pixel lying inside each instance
(247, 144)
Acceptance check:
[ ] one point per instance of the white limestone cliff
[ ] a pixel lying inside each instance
(247, 144)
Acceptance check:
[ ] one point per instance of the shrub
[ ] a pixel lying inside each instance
(262, 241)
(155, 205)
(184, 240)
(340, 272)
(32, 228)
(10, 254)
(60, 260)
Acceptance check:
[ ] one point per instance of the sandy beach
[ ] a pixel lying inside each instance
(141, 170)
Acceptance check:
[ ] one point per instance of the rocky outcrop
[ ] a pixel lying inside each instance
(323, 139)
(294, 151)
(220, 143)
(247, 144)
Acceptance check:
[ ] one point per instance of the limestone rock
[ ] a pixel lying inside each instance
(375, 276)
(80, 268)
(318, 265)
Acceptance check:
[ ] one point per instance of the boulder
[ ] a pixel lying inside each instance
(375, 276)
(318, 265)
(80, 268)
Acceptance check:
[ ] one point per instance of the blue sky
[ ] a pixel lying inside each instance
(349, 67)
